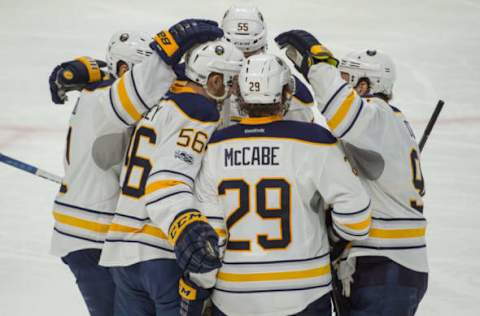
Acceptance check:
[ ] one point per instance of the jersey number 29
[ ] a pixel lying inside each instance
(282, 213)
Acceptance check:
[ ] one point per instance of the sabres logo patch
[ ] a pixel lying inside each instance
(124, 37)
(67, 74)
(219, 50)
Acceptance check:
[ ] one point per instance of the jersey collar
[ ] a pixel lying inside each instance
(260, 120)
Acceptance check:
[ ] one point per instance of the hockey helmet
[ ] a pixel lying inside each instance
(375, 65)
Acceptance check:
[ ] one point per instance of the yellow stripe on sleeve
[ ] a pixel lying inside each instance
(274, 276)
(342, 111)
(397, 233)
(80, 223)
(360, 225)
(126, 102)
(147, 230)
(162, 184)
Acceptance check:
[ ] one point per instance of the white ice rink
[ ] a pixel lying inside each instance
(435, 44)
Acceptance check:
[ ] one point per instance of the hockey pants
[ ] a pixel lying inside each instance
(382, 287)
(95, 282)
(147, 288)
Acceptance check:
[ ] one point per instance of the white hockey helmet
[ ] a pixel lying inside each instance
(129, 47)
(243, 26)
(213, 57)
(375, 65)
(263, 78)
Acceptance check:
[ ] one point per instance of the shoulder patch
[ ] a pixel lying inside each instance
(301, 92)
(299, 131)
(195, 106)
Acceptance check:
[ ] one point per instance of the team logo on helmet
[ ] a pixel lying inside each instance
(67, 74)
(124, 37)
(219, 50)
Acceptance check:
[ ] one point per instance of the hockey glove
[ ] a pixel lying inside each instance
(171, 45)
(195, 243)
(304, 50)
(192, 297)
(74, 75)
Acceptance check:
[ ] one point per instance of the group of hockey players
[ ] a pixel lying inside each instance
(198, 173)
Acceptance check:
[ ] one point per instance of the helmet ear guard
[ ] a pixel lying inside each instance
(128, 47)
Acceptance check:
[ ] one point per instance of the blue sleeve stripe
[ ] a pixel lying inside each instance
(350, 233)
(114, 110)
(333, 97)
(167, 196)
(390, 248)
(398, 219)
(173, 172)
(77, 237)
(354, 120)
(353, 213)
(277, 290)
(136, 91)
(276, 261)
(83, 208)
(133, 217)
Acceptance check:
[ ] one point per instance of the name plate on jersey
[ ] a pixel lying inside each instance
(251, 156)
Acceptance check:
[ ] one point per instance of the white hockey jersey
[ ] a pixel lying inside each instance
(382, 146)
(263, 178)
(302, 108)
(162, 162)
(84, 207)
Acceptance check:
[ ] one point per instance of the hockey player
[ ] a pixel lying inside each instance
(156, 221)
(276, 260)
(245, 27)
(91, 184)
(84, 207)
(391, 270)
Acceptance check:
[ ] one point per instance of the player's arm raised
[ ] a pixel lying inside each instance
(345, 111)
(143, 86)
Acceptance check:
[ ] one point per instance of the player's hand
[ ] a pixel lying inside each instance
(74, 75)
(171, 45)
(57, 93)
(304, 50)
(195, 243)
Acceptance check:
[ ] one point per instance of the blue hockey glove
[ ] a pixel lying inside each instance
(171, 45)
(304, 50)
(192, 297)
(195, 243)
(74, 75)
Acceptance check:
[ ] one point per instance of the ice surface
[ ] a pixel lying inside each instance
(435, 44)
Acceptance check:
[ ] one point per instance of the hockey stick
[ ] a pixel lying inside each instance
(431, 123)
(29, 168)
